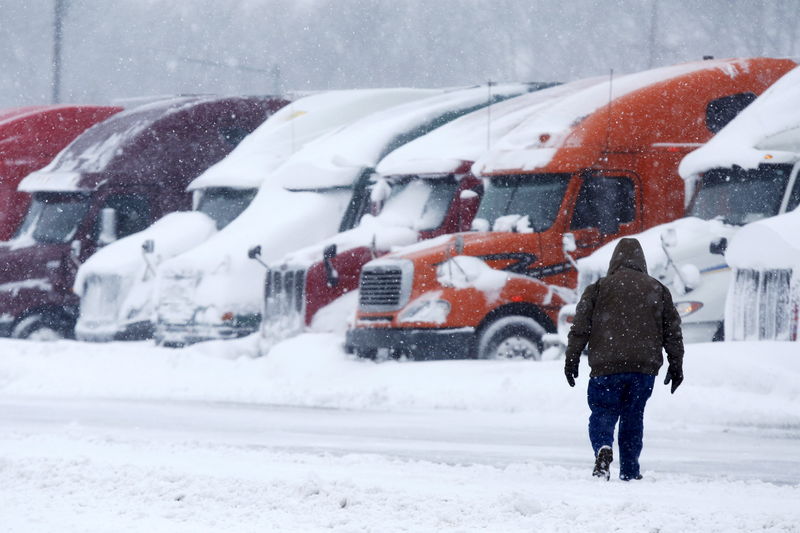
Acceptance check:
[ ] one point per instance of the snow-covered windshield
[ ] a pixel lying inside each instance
(419, 203)
(53, 217)
(740, 196)
(223, 204)
(537, 196)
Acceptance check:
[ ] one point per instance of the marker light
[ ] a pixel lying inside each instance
(227, 316)
(687, 308)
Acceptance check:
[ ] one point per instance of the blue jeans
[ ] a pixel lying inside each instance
(620, 397)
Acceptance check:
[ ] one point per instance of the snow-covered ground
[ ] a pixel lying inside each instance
(129, 437)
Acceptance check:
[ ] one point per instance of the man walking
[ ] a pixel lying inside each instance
(626, 318)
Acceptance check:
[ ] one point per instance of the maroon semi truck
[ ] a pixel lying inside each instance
(422, 190)
(113, 180)
(30, 137)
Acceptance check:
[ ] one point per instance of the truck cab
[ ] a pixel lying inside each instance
(30, 137)
(586, 168)
(113, 180)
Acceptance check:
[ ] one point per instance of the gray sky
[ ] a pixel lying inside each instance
(127, 48)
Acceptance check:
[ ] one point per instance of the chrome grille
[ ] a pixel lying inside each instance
(284, 293)
(380, 287)
(102, 298)
(762, 305)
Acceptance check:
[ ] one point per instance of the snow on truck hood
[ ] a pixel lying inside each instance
(523, 148)
(331, 160)
(173, 234)
(766, 244)
(770, 126)
(286, 132)
(467, 138)
(689, 231)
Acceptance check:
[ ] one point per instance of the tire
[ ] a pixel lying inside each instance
(719, 335)
(511, 337)
(42, 327)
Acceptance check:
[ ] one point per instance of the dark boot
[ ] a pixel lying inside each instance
(602, 464)
(630, 478)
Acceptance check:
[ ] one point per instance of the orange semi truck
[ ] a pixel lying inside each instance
(589, 168)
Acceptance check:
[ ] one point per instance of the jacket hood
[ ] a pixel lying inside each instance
(629, 254)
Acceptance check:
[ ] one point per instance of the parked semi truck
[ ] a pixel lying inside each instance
(745, 173)
(113, 180)
(423, 190)
(587, 169)
(30, 137)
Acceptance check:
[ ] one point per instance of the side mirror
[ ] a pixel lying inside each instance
(108, 226)
(468, 203)
(330, 272)
(75, 252)
(254, 252)
(669, 238)
(719, 246)
(568, 243)
(149, 246)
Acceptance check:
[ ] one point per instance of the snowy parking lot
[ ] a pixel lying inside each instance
(129, 437)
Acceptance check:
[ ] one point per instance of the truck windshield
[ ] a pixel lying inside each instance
(537, 196)
(740, 196)
(53, 217)
(419, 203)
(223, 204)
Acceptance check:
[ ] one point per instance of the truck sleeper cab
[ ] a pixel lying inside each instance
(30, 137)
(114, 180)
(584, 169)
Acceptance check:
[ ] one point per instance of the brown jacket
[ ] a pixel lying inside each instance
(626, 318)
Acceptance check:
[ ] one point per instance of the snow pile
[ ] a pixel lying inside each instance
(331, 161)
(766, 131)
(292, 127)
(760, 384)
(463, 271)
(533, 143)
(468, 137)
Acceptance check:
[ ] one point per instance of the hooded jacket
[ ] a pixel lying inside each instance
(626, 318)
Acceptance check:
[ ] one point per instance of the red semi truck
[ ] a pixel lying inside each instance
(29, 139)
(587, 169)
(113, 180)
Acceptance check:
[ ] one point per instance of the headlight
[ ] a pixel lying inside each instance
(687, 308)
(428, 310)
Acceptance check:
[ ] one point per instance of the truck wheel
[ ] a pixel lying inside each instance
(511, 337)
(41, 327)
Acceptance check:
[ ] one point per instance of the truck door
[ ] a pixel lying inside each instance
(605, 209)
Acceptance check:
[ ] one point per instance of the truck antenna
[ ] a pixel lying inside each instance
(610, 103)
(489, 84)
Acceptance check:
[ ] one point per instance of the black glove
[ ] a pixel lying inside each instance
(675, 375)
(571, 371)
